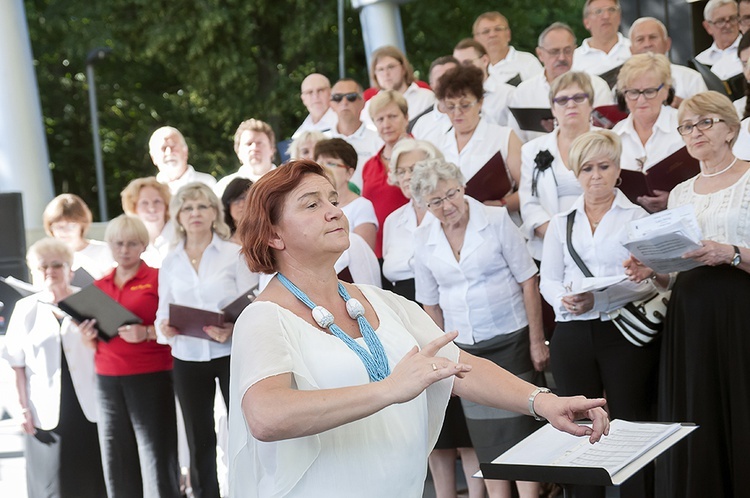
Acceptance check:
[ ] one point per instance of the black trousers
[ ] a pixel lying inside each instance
(592, 358)
(195, 385)
(138, 434)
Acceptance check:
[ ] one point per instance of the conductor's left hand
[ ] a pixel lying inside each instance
(562, 412)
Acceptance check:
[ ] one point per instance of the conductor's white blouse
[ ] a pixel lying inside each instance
(384, 454)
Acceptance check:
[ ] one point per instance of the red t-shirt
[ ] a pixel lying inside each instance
(139, 295)
(385, 198)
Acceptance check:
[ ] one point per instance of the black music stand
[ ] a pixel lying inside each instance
(505, 468)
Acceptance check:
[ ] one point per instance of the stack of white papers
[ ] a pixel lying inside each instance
(660, 240)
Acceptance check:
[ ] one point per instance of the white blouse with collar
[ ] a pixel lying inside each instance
(221, 277)
(480, 295)
(601, 251)
(488, 138)
(663, 142)
(398, 242)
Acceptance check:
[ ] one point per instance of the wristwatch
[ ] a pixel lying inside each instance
(737, 259)
(532, 397)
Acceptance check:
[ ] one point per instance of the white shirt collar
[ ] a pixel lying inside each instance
(621, 41)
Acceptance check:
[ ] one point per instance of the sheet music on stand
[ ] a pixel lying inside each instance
(549, 455)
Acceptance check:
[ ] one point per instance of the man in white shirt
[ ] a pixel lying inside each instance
(433, 124)
(606, 49)
(648, 34)
(347, 103)
(496, 93)
(315, 93)
(555, 48)
(391, 70)
(492, 30)
(255, 146)
(721, 21)
(169, 153)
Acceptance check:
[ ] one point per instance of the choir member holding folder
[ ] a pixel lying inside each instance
(489, 155)
(548, 185)
(55, 381)
(589, 355)
(137, 423)
(704, 364)
(204, 270)
(649, 134)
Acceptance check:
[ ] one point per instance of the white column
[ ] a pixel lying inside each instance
(381, 24)
(24, 161)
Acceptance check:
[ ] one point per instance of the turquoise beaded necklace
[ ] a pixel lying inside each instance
(375, 360)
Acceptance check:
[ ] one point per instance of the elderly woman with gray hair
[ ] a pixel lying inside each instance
(474, 275)
(589, 354)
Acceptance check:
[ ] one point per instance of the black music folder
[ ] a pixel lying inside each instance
(190, 321)
(533, 118)
(664, 175)
(92, 302)
(492, 182)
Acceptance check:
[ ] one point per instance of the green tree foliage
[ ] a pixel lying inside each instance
(203, 66)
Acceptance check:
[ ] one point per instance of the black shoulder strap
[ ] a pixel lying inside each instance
(573, 253)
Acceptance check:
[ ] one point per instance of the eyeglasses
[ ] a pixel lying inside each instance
(578, 98)
(451, 108)
(400, 172)
(649, 93)
(608, 10)
(55, 265)
(555, 52)
(724, 21)
(437, 203)
(65, 226)
(316, 91)
(351, 97)
(702, 125)
(744, 20)
(386, 69)
(496, 29)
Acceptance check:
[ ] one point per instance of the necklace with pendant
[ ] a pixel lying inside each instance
(375, 360)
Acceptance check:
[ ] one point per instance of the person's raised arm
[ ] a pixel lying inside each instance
(274, 410)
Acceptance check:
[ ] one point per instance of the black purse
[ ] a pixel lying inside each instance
(640, 322)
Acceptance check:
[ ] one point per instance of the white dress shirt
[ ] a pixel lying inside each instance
(534, 94)
(366, 142)
(418, 99)
(432, 126)
(480, 295)
(221, 277)
(96, 258)
(602, 252)
(398, 242)
(496, 97)
(514, 64)
(557, 188)
(595, 61)
(157, 251)
(663, 142)
(189, 176)
(327, 122)
(34, 341)
(687, 82)
(360, 211)
(487, 140)
(242, 172)
(724, 63)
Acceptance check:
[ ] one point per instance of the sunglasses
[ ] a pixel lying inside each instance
(351, 97)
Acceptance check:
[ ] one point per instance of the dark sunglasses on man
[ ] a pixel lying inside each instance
(351, 97)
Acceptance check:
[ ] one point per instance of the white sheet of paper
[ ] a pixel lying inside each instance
(663, 253)
(680, 219)
(625, 443)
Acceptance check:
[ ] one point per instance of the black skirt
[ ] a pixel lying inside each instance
(705, 378)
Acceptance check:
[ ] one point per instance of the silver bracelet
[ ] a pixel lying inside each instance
(532, 397)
